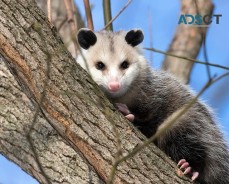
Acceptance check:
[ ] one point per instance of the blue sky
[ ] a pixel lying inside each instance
(164, 20)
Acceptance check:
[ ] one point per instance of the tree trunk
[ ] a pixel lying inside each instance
(55, 123)
(187, 40)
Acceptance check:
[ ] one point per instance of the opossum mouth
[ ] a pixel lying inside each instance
(113, 94)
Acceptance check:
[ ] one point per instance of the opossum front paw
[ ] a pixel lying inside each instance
(187, 170)
(130, 117)
(125, 111)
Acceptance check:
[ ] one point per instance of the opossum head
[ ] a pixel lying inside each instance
(113, 59)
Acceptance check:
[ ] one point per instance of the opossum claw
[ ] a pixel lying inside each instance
(125, 111)
(184, 165)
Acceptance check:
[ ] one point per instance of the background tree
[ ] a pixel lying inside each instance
(55, 123)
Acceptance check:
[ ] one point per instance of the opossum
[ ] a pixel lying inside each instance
(116, 63)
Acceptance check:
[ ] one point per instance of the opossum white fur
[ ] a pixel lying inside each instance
(152, 96)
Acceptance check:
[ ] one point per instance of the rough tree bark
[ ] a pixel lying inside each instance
(187, 40)
(54, 121)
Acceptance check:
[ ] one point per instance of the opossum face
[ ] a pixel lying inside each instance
(112, 59)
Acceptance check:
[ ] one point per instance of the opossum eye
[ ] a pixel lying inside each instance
(124, 64)
(100, 65)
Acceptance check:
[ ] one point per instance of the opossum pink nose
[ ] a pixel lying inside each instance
(114, 86)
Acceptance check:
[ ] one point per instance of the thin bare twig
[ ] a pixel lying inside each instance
(62, 23)
(171, 120)
(73, 26)
(88, 14)
(107, 14)
(49, 8)
(75, 10)
(119, 149)
(204, 35)
(150, 35)
(119, 13)
(186, 58)
(206, 56)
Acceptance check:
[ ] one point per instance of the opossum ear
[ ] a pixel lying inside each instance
(134, 37)
(86, 38)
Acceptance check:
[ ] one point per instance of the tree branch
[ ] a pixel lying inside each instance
(107, 15)
(116, 16)
(88, 14)
(187, 40)
(73, 105)
(185, 59)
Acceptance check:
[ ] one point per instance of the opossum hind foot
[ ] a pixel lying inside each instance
(183, 165)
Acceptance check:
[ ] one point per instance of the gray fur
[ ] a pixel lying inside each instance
(153, 96)
(156, 95)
